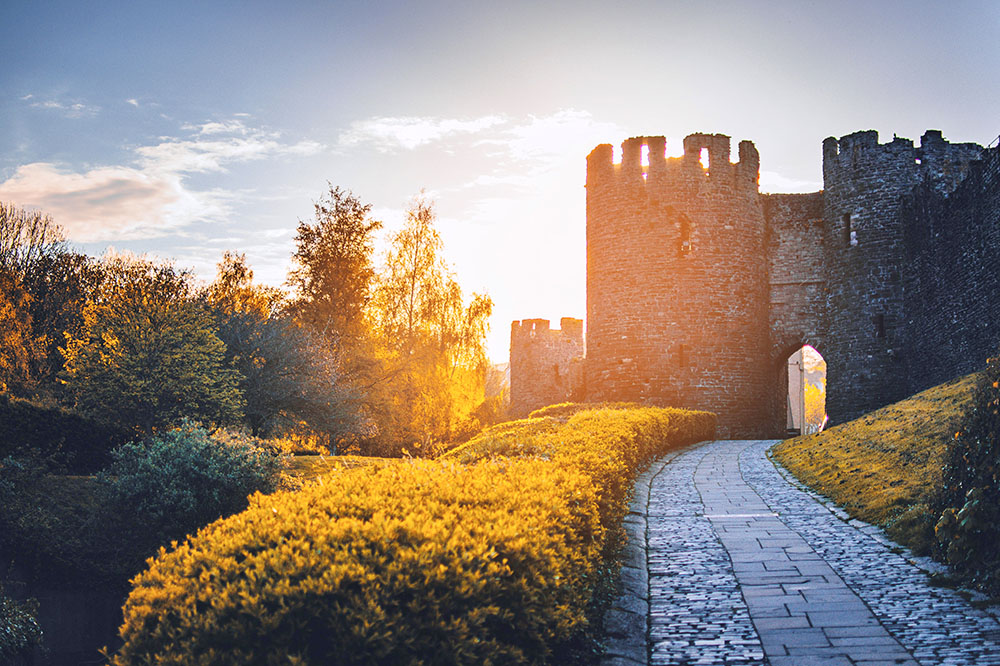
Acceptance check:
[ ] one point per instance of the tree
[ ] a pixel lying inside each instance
(60, 283)
(16, 341)
(333, 275)
(815, 401)
(147, 354)
(288, 376)
(41, 296)
(234, 291)
(432, 342)
(25, 236)
(412, 284)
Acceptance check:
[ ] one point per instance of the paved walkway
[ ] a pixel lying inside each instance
(743, 566)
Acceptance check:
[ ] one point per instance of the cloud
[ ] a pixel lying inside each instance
(134, 102)
(105, 203)
(72, 109)
(204, 155)
(541, 152)
(152, 196)
(219, 127)
(567, 133)
(409, 132)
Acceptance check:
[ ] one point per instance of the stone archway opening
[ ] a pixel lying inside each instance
(805, 409)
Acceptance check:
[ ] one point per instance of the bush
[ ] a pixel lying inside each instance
(419, 561)
(73, 442)
(19, 628)
(969, 528)
(499, 561)
(611, 445)
(171, 484)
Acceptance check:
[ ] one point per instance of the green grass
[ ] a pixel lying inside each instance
(885, 467)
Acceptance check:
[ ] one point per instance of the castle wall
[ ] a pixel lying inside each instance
(797, 275)
(677, 294)
(699, 288)
(952, 293)
(797, 285)
(546, 365)
(866, 322)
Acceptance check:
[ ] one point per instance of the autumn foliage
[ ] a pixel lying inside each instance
(386, 360)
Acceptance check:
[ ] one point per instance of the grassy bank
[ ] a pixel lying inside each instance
(884, 467)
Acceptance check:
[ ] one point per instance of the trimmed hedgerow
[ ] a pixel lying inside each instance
(564, 410)
(610, 445)
(419, 562)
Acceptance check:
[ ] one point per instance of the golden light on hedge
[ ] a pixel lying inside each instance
(490, 555)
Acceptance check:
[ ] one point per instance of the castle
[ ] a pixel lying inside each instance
(699, 287)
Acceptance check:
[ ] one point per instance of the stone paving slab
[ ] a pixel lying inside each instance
(744, 566)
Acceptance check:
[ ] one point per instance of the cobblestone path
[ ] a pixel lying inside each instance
(744, 566)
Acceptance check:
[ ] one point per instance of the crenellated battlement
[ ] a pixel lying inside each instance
(658, 169)
(527, 329)
(699, 287)
(899, 163)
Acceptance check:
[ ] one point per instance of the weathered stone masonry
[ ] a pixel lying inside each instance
(699, 287)
(546, 366)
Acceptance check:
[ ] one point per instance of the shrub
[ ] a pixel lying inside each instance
(420, 562)
(969, 527)
(610, 445)
(19, 628)
(499, 561)
(173, 483)
(79, 444)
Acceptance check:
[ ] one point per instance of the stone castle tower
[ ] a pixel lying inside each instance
(868, 318)
(699, 287)
(664, 240)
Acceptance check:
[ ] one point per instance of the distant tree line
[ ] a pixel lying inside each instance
(384, 361)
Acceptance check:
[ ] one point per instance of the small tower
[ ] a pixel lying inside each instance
(546, 365)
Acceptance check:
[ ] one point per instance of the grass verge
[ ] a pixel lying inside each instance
(885, 467)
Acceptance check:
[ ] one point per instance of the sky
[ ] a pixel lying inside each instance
(185, 129)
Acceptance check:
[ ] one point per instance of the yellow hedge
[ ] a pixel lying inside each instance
(610, 445)
(567, 409)
(431, 562)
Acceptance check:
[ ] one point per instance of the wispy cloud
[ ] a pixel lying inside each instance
(70, 109)
(153, 195)
(409, 132)
(133, 101)
(230, 126)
